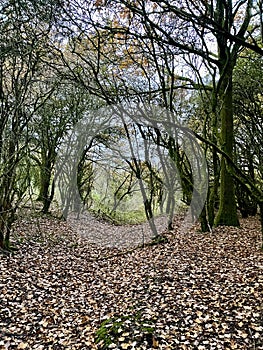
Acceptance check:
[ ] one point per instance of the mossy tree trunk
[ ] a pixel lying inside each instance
(9, 189)
(46, 191)
(227, 213)
(227, 57)
(213, 198)
(261, 220)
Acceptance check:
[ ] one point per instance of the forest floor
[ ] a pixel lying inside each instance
(64, 290)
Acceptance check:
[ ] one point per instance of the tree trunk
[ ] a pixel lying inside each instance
(7, 217)
(45, 182)
(227, 213)
(261, 220)
(203, 221)
(1, 237)
(213, 190)
(48, 199)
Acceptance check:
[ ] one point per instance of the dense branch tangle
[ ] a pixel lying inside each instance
(156, 39)
(154, 52)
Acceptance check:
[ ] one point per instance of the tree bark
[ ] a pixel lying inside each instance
(227, 213)
(1, 237)
(261, 220)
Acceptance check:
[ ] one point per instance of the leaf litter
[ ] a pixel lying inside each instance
(61, 290)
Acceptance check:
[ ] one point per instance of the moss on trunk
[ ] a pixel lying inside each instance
(227, 213)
